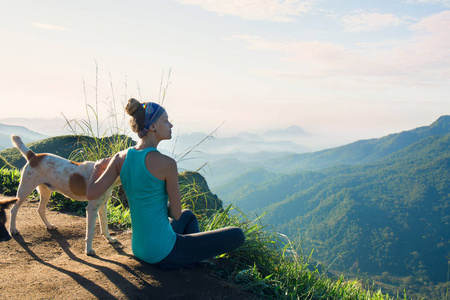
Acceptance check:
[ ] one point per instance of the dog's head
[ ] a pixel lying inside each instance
(4, 203)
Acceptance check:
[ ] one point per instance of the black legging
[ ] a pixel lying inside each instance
(192, 246)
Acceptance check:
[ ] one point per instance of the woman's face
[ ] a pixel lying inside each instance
(163, 127)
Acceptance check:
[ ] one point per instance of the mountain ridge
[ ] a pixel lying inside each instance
(26, 134)
(364, 151)
(359, 152)
(389, 215)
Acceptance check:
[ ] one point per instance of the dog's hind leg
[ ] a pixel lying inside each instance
(26, 186)
(102, 216)
(91, 214)
(44, 196)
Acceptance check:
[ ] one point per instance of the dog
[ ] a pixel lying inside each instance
(46, 173)
(4, 204)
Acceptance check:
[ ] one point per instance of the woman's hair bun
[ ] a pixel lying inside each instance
(132, 106)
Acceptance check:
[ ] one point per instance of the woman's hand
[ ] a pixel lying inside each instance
(101, 165)
(103, 175)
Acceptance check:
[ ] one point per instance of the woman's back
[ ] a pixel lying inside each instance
(153, 237)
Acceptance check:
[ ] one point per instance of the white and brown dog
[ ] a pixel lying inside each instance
(47, 173)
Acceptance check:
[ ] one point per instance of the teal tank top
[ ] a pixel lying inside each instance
(153, 237)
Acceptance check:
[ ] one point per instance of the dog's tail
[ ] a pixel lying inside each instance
(24, 150)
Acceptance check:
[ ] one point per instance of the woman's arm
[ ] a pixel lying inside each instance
(104, 174)
(173, 190)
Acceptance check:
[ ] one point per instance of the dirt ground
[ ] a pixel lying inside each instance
(42, 264)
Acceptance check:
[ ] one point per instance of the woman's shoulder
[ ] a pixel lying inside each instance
(160, 165)
(162, 158)
(159, 161)
(119, 158)
(121, 155)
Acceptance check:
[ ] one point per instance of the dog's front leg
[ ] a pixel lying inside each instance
(104, 220)
(91, 214)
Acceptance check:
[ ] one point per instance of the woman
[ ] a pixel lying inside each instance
(149, 178)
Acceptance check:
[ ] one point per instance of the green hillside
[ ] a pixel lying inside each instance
(389, 217)
(393, 216)
(194, 187)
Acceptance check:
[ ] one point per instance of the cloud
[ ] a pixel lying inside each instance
(443, 2)
(431, 44)
(271, 10)
(437, 23)
(370, 21)
(424, 58)
(48, 26)
(297, 51)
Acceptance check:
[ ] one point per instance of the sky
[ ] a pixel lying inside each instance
(345, 69)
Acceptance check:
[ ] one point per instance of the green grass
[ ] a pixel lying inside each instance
(4, 162)
(9, 181)
(118, 214)
(271, 266)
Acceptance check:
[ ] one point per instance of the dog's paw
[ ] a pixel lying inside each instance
(113, 240)
(90, 252)
(52, 227)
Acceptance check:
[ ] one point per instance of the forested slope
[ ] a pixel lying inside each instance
(389, 215)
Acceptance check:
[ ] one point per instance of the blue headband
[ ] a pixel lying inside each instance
(152, 113)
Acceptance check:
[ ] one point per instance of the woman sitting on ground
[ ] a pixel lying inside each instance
(163, 234)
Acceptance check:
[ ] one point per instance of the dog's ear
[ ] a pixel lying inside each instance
(6, 202)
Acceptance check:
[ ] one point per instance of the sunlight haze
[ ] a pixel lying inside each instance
(343, 69)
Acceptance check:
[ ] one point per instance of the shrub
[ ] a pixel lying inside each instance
(9, 181)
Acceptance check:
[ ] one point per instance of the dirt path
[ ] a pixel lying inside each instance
(41, 264)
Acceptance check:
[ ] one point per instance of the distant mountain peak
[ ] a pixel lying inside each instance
(293, 130)
(442, 121)
(47, 127)
(26, 134)
(248, 136)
